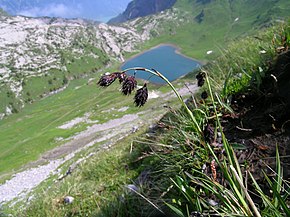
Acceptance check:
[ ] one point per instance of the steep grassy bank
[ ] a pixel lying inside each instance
(205, 174)
(197, 29)
(113, 107)
(38, 131)
(28, 134)
(173, 163)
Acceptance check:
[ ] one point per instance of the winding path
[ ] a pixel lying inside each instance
(23, 182)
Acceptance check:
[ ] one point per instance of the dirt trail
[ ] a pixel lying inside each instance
(23, 182)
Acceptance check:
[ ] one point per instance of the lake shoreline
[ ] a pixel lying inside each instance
(177, 51)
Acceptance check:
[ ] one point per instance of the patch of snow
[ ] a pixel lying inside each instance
(108, 110)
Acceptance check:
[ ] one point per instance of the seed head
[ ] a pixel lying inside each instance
(204, 95)
(141, 96)
(121, 76)
(107, 80)
(200, 78)
(129, 84)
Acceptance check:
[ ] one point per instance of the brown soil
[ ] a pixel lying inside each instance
(262, 121)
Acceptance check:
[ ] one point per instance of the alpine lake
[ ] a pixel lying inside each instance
(164, 58)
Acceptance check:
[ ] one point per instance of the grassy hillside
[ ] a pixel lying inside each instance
(34, 130)
(37, 87)
(194, 27)
(210, 26)
(165, 164)
(98, 183)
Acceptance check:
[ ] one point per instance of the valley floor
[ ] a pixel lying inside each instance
(105, 135)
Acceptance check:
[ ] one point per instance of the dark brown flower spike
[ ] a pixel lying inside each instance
(204, 95)
(129, 84)
(200, 78)
(141, 96)
(121, 76)
(107, 80)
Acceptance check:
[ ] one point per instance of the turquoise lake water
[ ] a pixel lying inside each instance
(165, 59)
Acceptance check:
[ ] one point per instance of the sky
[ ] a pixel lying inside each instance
(100, 10)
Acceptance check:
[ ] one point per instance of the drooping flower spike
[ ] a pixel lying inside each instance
(141, 96)
(107, 80)
(121, 76)
(204, 95)
(200, 78)
(128, 85)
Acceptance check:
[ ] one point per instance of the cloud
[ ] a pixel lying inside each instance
(53, 10)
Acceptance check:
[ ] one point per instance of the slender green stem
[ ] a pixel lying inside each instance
(231, 156)
(252, 204)
(158, 74)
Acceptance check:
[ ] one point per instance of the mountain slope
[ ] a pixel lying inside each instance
(193, 25)
(39, 56)
(202, 26)
(142, 8)
(107, 182)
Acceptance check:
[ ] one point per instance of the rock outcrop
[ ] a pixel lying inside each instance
(141, 8)
(53, 48)
(53, 51)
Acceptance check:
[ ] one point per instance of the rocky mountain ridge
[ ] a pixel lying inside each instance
(141, 8)
(39, 56)
(56, 50)
(37, 47)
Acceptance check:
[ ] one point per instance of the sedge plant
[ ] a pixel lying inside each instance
(128, 86)
(129, 83)
(203, 194)
(232, 197)
(200, 193)
(230, 200)
(235, 199)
